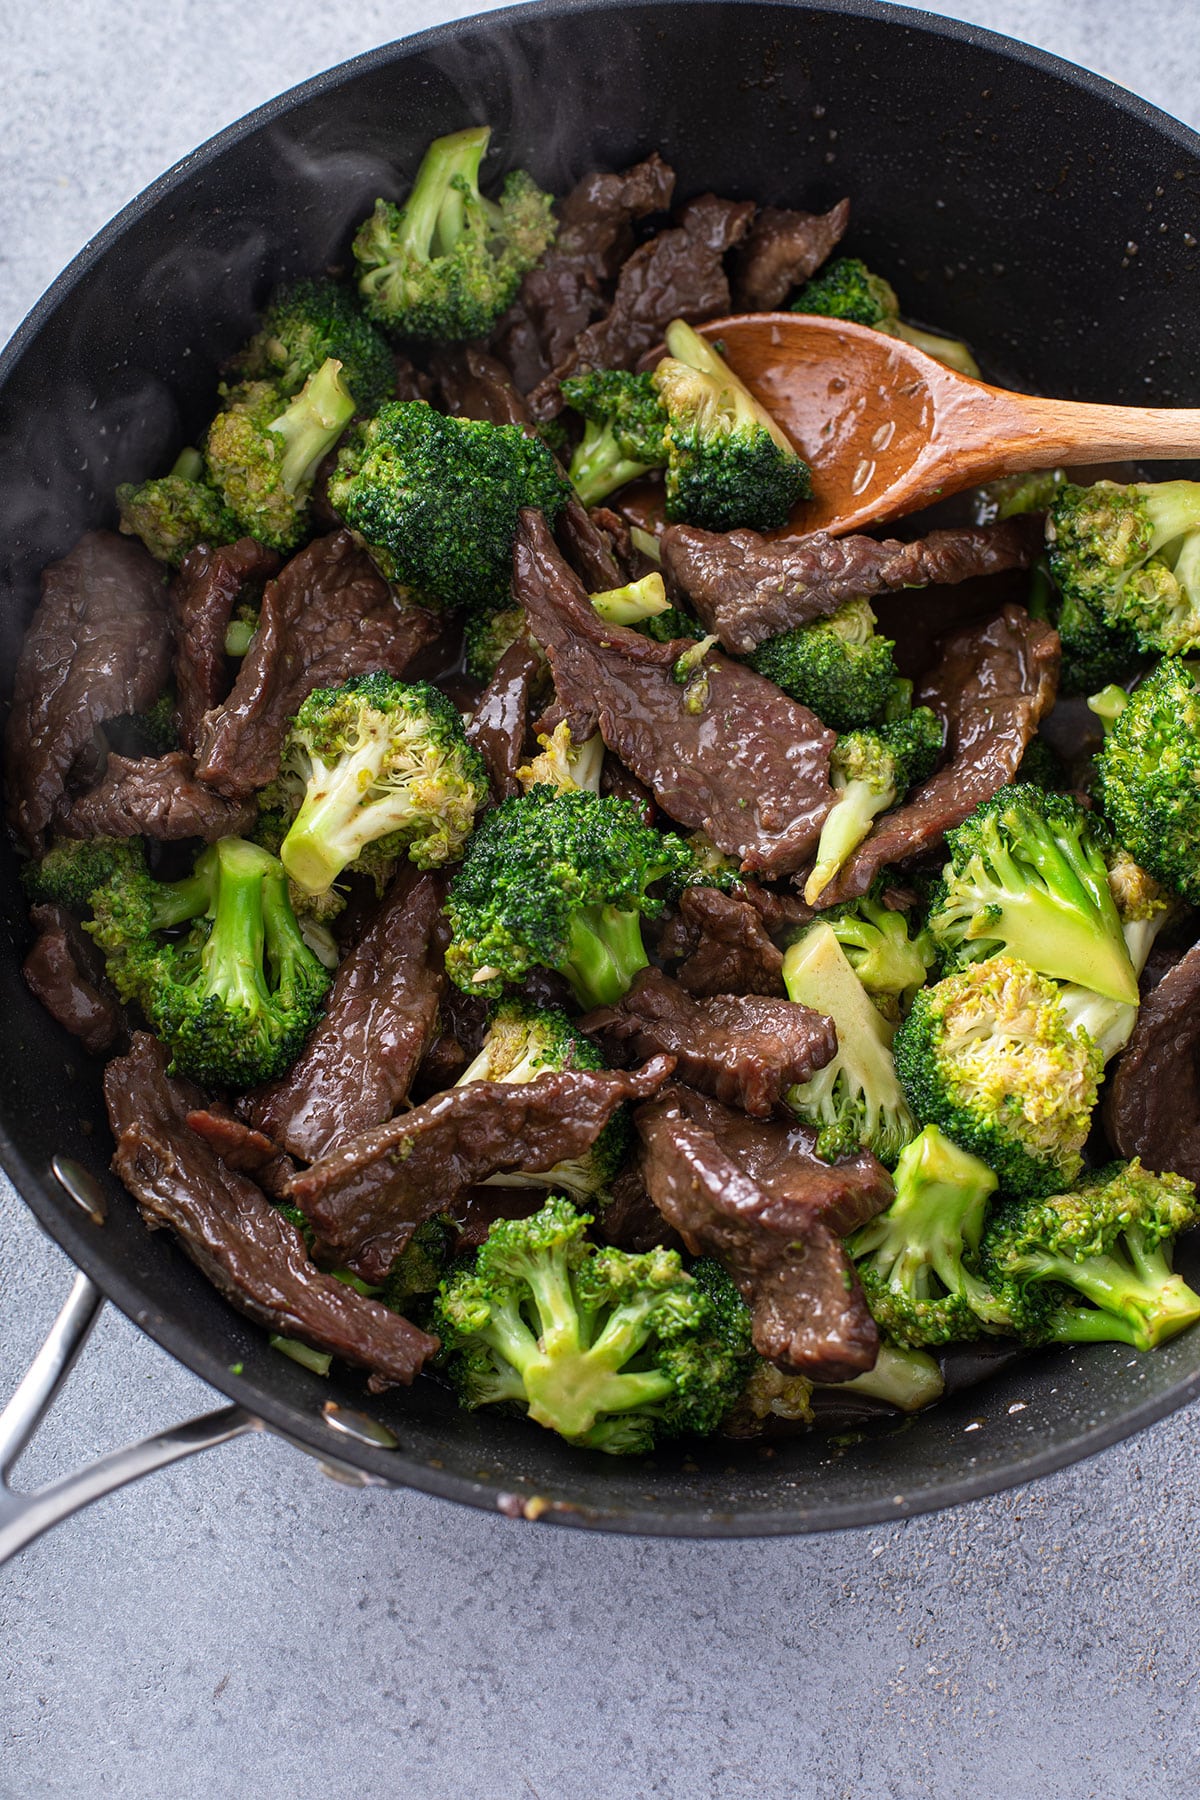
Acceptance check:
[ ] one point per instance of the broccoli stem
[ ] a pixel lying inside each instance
(333, 825)
(1173, 508)
(1108, 705)
(232, 959)
(1152, 1303)
(304, 1354)
(643, 599)
(907, 1379)
(188, 465)
(429, 209)
(951, 351)
(844, 829)
(604, 953)
(239, 635)
(599, 466)
(687, 346)
(312, 424)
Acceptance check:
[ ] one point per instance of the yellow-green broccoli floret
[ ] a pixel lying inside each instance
(308, 322)
(846, 289)
(263, 449)
(173, 513)
(1131, 556)
(870, 769)
(562, 763)
(890, 964)
(841, 668)
(1148, 777)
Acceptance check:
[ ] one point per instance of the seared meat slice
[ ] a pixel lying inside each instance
(242, 1148)
(724, 944)
(775, 1227)
(588, 548)
(365, 1200)
(731, 754)
(993, 685)
(500, 723)
(475, 385)
(203, 595)
(98, 645)
(359, 1063)
(744, 1050)
(67, 981)
(229, 1228)
(782, 250)
(1152, 1108)
(630, 1219)
(158, 797)
(329, 615)
(747, 588)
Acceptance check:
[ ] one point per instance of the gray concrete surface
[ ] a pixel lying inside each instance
(241, 1627)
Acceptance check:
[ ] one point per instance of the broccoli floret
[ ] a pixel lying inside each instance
(436, 500)
(173, 513)
(988, 1055)
(633, 603)
(562, 763)
(263, 450)
(871, 769)
(234, 998)
(1131, 556)
(447, 263)
(1108, 1242)
(846, 289)
(308, 322)
(73, 868)
(1013, 495)
(666, 627)
(914, 1259)
(611, 1350)
(855, 1101)
(383, 763)
(420, 1268)
(728, 462)
(624, 431)
(241, 631)
(1042, 766)
(1143, 907)
(1028, 875)
(487, 636)
(708, 867)
(1148, 777)
(840, 667)
(559, 880)
(890, 964)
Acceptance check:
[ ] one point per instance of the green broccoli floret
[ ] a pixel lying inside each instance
(263, 449)
(855, 1101)
(173, 513)
(1042, 767)
(611, 1350)
(308, 322)
(560, 880)
(1013, 495)
(988, 1055)
(1028, 875)
(420, 1268)
(487, 636)
(236, 996)
(1148, 777)
(1108, 1243)
(1131, 556)
(384, 763)
(624, 433)
(708, 867)
(846, 289)
(73, 868)
(436, 499)
(447, 263)
(1144, 907)
(871, 769)
(840, 667)
(914, 1259)
(890, 964)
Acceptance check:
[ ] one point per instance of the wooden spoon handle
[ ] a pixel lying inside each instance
(982, 430)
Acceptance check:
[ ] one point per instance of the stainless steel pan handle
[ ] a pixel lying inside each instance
(24, 1517)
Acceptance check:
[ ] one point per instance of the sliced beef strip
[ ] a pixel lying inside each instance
(60, 974)
(158, 797)
(499, 724)
(98, 645)
(475, 385)
(242, 1148)
(776, 1241)
(244, 1245)
(328, 616)
(203, 595)
(679, 274)
(588, 548)
(629, 1218)
(781, 250)
(744, 1050)
(365, 1200)
(358, 1064)
(747, 588)
(991, 687)
(725, 946)
(1152, 1108)
(749, 766)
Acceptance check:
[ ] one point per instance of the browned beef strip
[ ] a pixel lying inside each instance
(1152, 1108)
(679, 274)
(725, 946)
(358, 1064)
(328, 616)
(588, 548)
(242, 1148)
(411, 382)
(98, 645)
(475, 385)
(773, 1236)
(202, 598)
(745, 1050)
(781, 250)
(500, 723)
(67, 983)
(629, 1218)
(749, 766)
(158, 797)
(747, 588)
(992, 686)
(230, 1229)
(365, 1200)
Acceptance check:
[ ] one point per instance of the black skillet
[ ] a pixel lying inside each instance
(1044, 214)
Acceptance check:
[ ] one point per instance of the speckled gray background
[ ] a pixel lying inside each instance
(241, 1627)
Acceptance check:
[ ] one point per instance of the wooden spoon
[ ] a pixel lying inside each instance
(887, 429)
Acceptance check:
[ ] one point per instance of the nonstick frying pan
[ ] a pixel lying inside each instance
(1047, 216)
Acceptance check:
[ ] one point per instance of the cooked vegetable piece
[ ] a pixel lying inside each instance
(1148, 777)
(173, 513)
(306, 323)
(846, 289)
(840, 667)
(263, 449)
(1131, 557)
(871, 769)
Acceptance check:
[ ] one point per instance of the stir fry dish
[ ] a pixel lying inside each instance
(559, 927)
